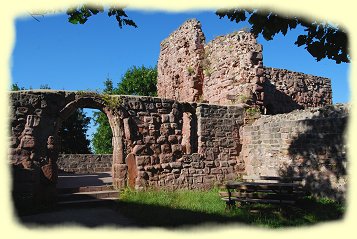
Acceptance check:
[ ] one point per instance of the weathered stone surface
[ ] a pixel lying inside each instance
(165, 158)
(85, 163)
(176, 165)
(161, 142)
(308, 148)
(166, 149)
(143, 160)
(179, 64)
(230, 64)
(229, 70)
(288, 90)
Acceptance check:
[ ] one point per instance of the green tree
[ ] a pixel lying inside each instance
(321, 40)
(136, 81)
(73, 134)
(102, 138)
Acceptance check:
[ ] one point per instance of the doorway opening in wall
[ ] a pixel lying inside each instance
(85, 159)
(189, 133)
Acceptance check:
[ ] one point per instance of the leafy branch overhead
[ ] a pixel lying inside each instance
(321, 40)
(81, 14)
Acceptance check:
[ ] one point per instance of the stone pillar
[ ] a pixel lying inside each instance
(119, 168)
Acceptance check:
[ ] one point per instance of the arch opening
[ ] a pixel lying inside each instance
(95, 171)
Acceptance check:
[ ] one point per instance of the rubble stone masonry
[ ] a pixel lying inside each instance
(85, 163)
(179, 66)
(195, 134)
(229, 70)
(308, 143)
(157, 143)
(287, 90)
(232, 65)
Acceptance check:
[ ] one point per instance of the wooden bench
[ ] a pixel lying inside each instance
(263, 189)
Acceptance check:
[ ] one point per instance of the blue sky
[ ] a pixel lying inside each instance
(81, 57)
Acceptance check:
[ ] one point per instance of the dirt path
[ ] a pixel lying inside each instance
(82, 216)
(88, 215)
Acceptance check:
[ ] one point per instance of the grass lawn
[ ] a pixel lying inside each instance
(173, 209)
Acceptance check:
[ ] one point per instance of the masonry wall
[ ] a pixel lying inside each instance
(158, 156)
(229, 70)
(308, 143)
(287, 90)
(232, 66)
(179, 65)
(163, 143)
(219, 140)
(85, 163)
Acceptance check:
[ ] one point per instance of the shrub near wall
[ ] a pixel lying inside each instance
(85, 163)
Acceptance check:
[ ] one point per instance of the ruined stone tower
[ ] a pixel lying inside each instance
(229, 70)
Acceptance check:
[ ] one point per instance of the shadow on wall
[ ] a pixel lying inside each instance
(278, 102)
(318, 153)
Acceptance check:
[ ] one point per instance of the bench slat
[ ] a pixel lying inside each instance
(285, 196)
(259, 200)
(276, 178)
(262, 186)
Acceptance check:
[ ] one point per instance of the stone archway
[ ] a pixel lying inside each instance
(115, 122)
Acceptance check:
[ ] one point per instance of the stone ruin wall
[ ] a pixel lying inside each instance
(162, 143)
(230, 70)
(179, 65)
(85, 163)
(308, 143)
(219, 141)
(158, 143)
(287, 90)
(165, 143)
(232, 65)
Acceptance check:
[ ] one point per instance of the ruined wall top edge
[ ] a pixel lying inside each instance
(85, 94)
(328, 111)
(192, 24)
(237, 35)
(267, 69)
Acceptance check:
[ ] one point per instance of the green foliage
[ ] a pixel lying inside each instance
(252, 112)
(198, 200)
(16, 87)
(207, 72)
(136, 81)
(102, 138)
(80, 14)
(321, 39)
(190, 70)
(73, 134)
(110, 101)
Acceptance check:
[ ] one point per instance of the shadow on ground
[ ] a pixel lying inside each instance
(133, 215)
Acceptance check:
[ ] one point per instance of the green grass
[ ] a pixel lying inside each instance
(193, 207)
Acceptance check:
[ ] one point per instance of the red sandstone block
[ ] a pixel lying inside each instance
(143, 160)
